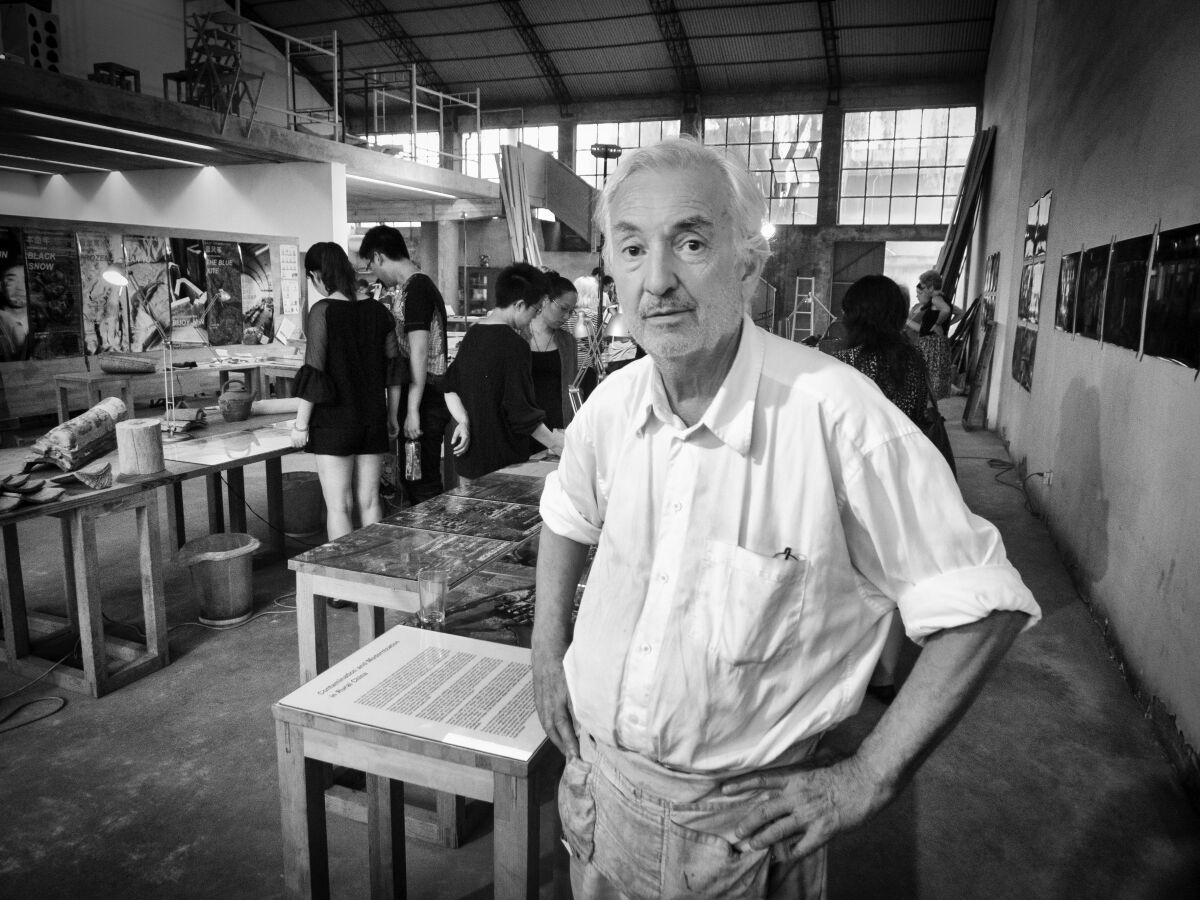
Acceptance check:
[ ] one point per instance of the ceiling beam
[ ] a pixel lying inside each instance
(829, 38)
(384, 23)
(541, 57)
(670, 26)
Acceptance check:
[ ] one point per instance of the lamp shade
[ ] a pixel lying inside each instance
(583, 325)
(115, 277)
(616, 327)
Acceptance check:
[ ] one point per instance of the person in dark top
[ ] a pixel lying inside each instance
(420, 314)
(553, 352)
(349, 391)
(873, 315)
(492, 374)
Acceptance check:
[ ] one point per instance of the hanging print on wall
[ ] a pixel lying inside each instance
(224, 274)
(1173, 306)
(1126, 290)
(1024, 350)
(1068, 281)
(52, 277)
(146, 258)
(1041, 228)
(1089, 305)
(105, 310)
(14, 298)
(1029, 300)
(258, 297)
(189, 285)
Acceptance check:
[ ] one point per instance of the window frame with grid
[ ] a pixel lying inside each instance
(627, 135)
(782, 151)
(903, 166)
(544, 137)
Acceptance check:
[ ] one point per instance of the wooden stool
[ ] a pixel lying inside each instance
(98, 386)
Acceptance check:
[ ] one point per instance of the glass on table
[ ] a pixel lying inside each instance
(431, 587)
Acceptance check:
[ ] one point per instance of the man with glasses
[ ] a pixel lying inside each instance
(420, 314)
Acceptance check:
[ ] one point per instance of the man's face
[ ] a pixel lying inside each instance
(378, 271)
(14, 287)
(678, 276)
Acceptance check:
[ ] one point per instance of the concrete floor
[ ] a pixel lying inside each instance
(1052, 787)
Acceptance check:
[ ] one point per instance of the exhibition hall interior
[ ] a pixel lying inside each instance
(244, 657)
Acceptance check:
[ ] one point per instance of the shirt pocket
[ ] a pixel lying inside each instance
(746, 606)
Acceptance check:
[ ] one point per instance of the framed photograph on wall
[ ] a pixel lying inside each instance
(1126, 289)
(1068, 277)
(1024, 351)
(1041, 228)
(1173, 302)
(1029, 300)
(1089, 305)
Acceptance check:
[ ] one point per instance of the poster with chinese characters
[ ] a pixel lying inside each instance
(223, 264)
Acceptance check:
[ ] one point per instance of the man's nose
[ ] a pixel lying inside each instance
(660, 269)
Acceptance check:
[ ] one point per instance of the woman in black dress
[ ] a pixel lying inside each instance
(553, 353)
(349, 391)
(492, 374)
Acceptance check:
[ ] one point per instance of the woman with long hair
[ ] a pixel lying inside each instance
(553, 353)
(349, 390)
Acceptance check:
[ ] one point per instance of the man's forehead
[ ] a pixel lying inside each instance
(687, 197)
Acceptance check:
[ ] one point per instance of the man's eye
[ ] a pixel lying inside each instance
(692, 245)
(632, 251)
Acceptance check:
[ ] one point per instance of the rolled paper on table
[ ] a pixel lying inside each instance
(273, 407)
(139, 447)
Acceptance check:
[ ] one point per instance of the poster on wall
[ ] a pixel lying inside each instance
(14, 298)
(52, 280)
(1030, 230)
(289, 278)
(146, 258)
(1089, 303)
(1126, 291)
(1173, 305)
(1024, 350)
(1068, 277)
(1029, 301)
(189, 283)
(1041, 227)
(991, 273)
(258, 295)
(224, 273)
(105, 306)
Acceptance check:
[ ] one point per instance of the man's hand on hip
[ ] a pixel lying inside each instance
(553, 701)
(805, 807)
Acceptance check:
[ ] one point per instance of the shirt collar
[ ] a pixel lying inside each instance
(730, 416)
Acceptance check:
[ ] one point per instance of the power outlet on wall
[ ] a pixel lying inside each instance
(1049, 477)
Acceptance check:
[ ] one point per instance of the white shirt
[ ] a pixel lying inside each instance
(746, 566)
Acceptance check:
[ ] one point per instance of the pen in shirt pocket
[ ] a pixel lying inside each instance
(786, 553)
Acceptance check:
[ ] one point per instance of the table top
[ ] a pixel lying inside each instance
(98, 376)
(242, 448)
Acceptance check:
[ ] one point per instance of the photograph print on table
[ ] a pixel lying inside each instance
(1126, 292)
(1089, 303)
(1068, 278)
(1173, 306)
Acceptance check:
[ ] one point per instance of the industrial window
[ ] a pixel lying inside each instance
(428, 150)
(782, 152)
(544, 137)
(627, 135)
(903, 167)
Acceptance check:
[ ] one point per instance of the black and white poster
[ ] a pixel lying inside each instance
(1126, 290)
(55, 308)
(1089, 304)
(14, 298)
(1024, 351)
(189, 284)
(146, 258)
(1068, 280)
(1173, 306)
(1029, 300)
(223, 263)
(1041, 227)
(258, 295)
(105, 306)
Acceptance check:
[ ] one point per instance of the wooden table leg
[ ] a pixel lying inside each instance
(385, 838)
(154, 606)
(236, 483)
(12, 597)
(63, 409)
(515, 839)
(87, 586)
(302, 810)
(173, 515)
(275, 505)
(216, 508)
(68, 571)
(312, 630)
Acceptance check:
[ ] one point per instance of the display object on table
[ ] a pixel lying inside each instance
(431, 588)
(78, 441)
(235, 401)
(412, 460)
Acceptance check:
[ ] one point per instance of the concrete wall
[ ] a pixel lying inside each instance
(1097, 101)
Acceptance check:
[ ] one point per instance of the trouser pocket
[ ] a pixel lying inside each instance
(577, 809)
(701, 861)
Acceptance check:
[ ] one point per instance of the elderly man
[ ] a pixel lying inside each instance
(759, 511)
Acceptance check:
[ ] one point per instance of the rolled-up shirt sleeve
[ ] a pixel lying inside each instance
(572, 504)
(912, 536)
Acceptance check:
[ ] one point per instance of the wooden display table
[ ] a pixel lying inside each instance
(97, 386)
(429, 709)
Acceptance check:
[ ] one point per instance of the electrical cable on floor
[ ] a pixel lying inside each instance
(29, 684)
(271, 527)
(62, 703)
(1006, 466)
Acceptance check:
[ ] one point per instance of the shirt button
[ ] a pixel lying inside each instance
(664, 577)
(677, 507)
(646, 648)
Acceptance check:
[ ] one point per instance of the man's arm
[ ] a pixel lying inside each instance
(418, 362)
(560, 563)
(807, 807)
